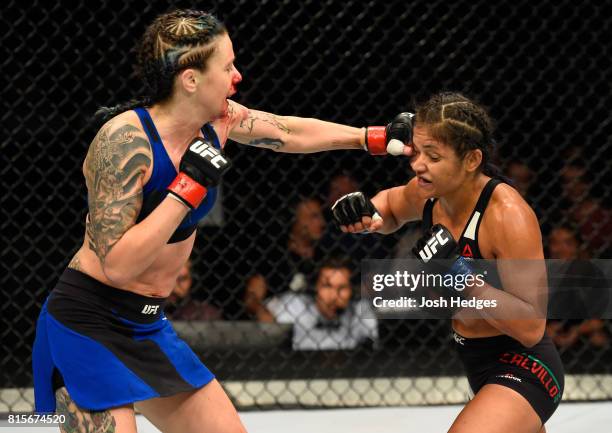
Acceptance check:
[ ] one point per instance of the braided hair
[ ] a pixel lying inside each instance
(173, 42)
(463, 124)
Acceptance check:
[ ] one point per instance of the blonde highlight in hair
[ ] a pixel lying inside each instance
(183, 26)
(174, 41)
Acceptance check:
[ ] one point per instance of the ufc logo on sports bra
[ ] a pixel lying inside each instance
(207, 151)
(431, 247)
(150, 309)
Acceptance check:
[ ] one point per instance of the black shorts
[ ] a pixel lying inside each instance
(536, 372)
(109, 347)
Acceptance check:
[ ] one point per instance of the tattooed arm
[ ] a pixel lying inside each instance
(116, 163)
(287, 133)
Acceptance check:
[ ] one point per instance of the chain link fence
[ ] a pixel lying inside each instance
(542, 68)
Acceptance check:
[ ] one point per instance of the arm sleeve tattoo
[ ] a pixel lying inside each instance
(117, 159)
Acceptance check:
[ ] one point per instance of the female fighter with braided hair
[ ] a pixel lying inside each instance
(513, 369)
(102, 341)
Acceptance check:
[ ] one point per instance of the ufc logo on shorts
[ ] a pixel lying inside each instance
(430, 249)
(207, 151)
(150, 309)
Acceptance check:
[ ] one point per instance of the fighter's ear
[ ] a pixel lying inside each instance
(188, 79)
(472, 160)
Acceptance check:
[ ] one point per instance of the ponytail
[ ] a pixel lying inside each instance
(489, 152)
(103, 114)
(495, 172)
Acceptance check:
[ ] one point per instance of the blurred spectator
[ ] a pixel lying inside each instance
(254, 299)
(339, 185)
(579, 293)
(521, 175)
(329, 319)
(564, 243)
(181, 305)
(358, 247)
(296, 266)
(594, 221)
(306, 230)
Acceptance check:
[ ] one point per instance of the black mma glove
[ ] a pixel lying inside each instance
(380, 140)
(351, 208)
(202, 165)
(439, 245)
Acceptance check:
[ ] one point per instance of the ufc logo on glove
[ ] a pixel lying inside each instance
(430, 248)
(207, 151)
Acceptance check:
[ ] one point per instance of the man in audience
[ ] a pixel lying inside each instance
(296, 266)
(579, 293)
(329, 318)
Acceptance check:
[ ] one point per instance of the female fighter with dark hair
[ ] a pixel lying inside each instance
(513, 368)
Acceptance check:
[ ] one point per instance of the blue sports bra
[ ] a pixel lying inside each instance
(164, 173)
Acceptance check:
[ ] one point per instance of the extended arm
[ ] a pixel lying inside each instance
(295, 134)
(292, 134)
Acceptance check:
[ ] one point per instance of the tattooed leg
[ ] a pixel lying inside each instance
(115, 420)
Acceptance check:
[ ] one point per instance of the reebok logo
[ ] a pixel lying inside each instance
(431, 247)
(467, 251)
(509, 376)
(150, 309)
(208, 152)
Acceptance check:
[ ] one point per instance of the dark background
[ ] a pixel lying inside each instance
(543, 70)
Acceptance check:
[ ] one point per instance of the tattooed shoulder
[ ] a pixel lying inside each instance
(75, 263)
(116, 162)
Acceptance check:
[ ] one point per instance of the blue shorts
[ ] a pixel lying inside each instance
(109, 347)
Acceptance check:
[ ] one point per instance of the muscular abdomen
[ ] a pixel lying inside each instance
(159, 278)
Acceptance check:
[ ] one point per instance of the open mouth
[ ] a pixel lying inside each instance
(423, 182)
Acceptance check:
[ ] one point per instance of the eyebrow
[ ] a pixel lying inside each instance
(429, 146)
